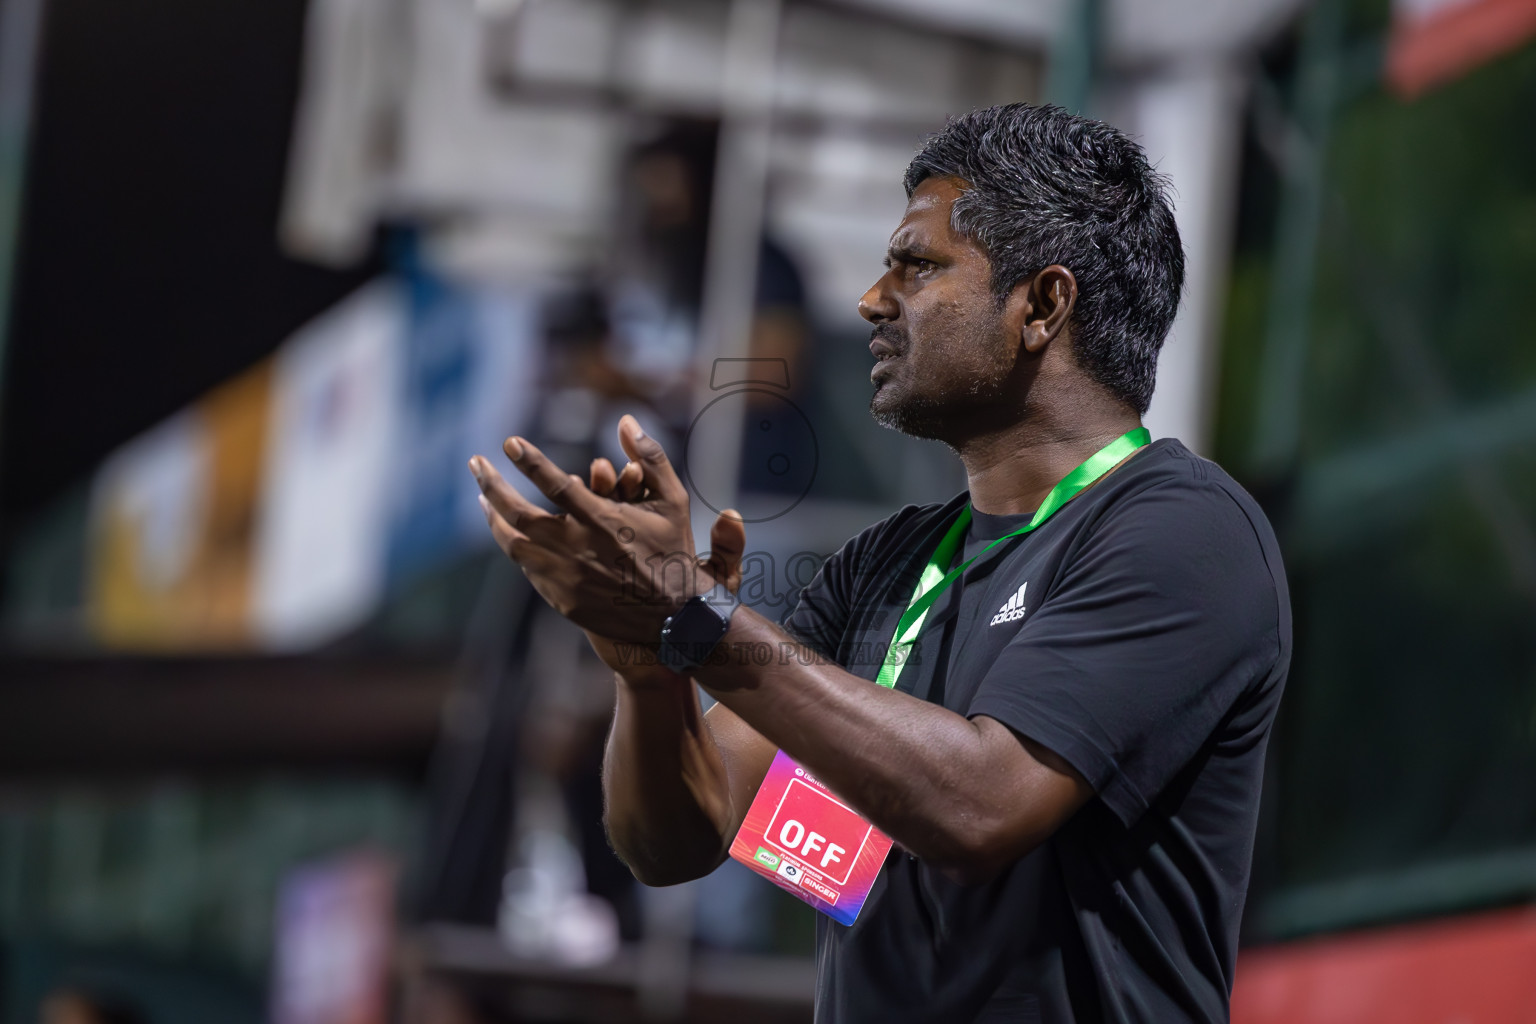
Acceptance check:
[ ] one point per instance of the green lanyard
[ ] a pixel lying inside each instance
(934, 579)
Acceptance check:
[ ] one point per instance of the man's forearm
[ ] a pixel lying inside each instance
(923, 774)
(666, 797)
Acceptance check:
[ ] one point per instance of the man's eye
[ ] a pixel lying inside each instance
(923, 266)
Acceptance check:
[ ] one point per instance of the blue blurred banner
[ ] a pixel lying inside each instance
(472, 366)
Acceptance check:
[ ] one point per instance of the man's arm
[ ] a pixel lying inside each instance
(676, 782)
(969, 796)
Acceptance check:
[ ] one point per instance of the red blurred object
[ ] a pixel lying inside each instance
(1435, 42)
(1471, 970)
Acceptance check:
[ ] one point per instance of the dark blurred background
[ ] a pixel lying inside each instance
(282, 736)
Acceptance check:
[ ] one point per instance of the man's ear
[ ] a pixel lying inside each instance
(1050, 296)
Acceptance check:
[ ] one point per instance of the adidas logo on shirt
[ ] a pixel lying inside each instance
(1013, 611)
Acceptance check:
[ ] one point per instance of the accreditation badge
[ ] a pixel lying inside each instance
(803, 839)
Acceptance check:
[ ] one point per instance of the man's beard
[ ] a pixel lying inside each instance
(913, 415)
(910, 415)
(901, 404)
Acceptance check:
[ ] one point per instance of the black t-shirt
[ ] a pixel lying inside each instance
(1142, 633)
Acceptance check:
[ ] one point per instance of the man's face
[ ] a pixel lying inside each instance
(947, 364)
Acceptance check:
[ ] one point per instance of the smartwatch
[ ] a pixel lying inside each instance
(690, 636)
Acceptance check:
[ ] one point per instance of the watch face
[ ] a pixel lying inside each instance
(689, 637)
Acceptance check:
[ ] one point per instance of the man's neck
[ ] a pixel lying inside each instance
(1012, 470)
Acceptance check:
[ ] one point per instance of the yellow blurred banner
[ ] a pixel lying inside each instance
(172, 524)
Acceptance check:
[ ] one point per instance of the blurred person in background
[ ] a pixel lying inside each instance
(623, 341)
(653, 281)
(1071, 769)
(626, 343)
(654, 284)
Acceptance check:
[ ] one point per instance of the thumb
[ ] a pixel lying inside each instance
(727, 543)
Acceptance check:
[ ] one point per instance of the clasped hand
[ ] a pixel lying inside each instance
(617, 557)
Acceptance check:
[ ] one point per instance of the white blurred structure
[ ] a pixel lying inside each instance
(1176, 81)
(1189, 122)
(333, 437)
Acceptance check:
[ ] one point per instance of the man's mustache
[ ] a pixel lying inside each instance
(891, 334)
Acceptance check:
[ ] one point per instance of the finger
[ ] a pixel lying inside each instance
(727, 543)
(631, 482)
(659, 475)
(540, 565)
(517, 510)
(508, 538)
(560, 487)
(537, 562)
(603, 478)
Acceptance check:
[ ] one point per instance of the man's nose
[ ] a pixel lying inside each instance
(877, 306)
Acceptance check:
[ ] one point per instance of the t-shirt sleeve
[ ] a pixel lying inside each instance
(820, 615)
(1156, 628)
